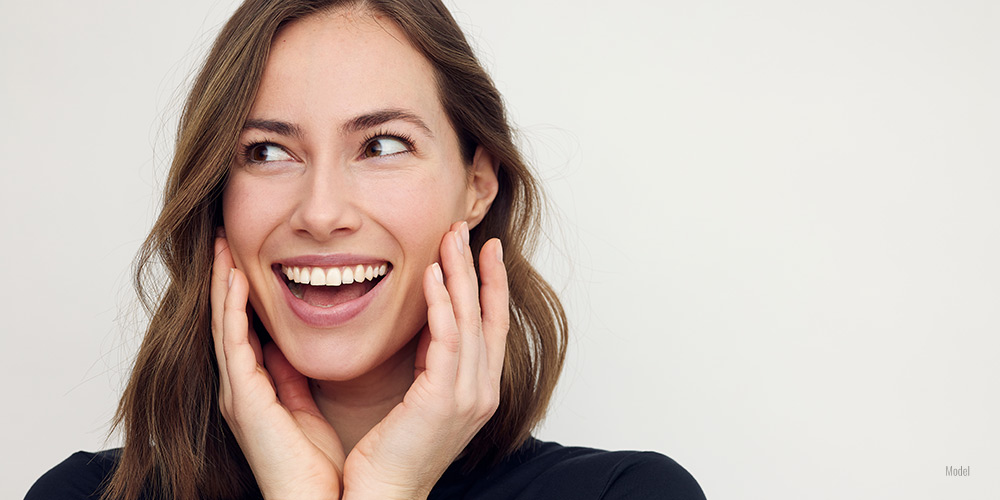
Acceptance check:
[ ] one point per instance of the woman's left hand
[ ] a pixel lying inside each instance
(456, 377)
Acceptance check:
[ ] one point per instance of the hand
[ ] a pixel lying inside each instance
(292, 449)
(456, 386)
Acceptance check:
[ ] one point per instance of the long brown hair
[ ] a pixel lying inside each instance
(176, 441)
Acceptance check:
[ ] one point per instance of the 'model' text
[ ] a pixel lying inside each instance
(956, 471)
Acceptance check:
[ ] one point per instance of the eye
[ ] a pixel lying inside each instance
(263, 152)
(385, 145)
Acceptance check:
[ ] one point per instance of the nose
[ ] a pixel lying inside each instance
(328, 204)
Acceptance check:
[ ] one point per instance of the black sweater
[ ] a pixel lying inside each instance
(538, 470)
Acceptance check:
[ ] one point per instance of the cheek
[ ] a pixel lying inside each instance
(420, 211)
(246, 216)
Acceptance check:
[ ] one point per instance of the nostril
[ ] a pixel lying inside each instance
(326, 209)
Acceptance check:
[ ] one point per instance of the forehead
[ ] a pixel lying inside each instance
(343, 63)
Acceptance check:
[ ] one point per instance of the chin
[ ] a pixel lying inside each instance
(340, 356)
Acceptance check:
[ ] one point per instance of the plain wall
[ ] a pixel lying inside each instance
(776, 231)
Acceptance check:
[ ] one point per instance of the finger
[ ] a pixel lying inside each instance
(420, 363)
(463, 288)
(241, 361)
(460, 276)
(495, 299)
(254, 339)
(291, 386)
(441, 360)
(221, 268)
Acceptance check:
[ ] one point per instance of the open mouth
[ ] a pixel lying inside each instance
(332, 286)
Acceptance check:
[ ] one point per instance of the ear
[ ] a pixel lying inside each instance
(483, 185)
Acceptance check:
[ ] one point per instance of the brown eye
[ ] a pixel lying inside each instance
(384, 146)
(266, 152)
(374, 148)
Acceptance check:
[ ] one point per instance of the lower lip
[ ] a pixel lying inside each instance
(327, 317)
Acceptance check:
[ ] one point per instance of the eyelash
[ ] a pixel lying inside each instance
(245, 149)
(381, 133)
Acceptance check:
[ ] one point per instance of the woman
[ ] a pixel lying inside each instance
(349, 310)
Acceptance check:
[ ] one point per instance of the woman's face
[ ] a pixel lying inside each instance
(347, 169)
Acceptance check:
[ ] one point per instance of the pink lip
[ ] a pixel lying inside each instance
(327, 317)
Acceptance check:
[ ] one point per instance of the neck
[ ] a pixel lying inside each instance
(353, 407)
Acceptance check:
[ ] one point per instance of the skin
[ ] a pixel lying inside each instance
(377, 406)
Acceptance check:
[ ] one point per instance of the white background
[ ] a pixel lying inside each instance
(777, 227)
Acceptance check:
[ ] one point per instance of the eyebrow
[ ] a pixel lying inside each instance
(354, 125)
(376, 118)
(274, 126)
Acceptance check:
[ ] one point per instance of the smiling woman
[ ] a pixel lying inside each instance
(361, 172)
(350, 312)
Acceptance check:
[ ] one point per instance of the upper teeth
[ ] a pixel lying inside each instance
(333, 276)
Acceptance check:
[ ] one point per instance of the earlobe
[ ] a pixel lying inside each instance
(483, 185)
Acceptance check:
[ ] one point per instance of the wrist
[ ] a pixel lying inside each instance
(373, 495)
(332, 493)
(298, 496)
(384, 492)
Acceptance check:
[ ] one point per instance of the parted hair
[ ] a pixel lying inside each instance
(176, 442)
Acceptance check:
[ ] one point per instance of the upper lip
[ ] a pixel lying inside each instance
(331, 260)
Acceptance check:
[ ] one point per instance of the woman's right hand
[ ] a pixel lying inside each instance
(292, 449)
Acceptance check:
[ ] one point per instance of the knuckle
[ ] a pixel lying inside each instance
(500, 324)
(474, 326)
(493, 402)
(469, 412)
(226, 411)
(502, 320)
(236, 414)
(488, 404)
(452, 341)
(466, 407)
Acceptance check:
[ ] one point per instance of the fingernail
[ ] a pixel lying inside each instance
(458, 243)
(437, 272)
(232, 272)
(500, 251)
(465, 232)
